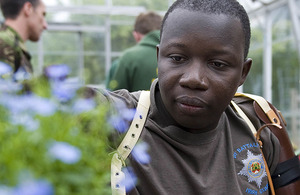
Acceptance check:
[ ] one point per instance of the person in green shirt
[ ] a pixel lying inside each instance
(24, 20)
(137, 67)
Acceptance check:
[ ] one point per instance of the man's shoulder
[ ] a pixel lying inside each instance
(137, 52)
(8, 49)
(151, 39)
(118, 97)
(130, 56)
(241, 99)
(246, 104)
(7, 36)
(131, 51)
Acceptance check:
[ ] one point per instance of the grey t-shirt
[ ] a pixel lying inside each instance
(226, 160)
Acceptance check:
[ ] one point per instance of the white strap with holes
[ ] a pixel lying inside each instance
(129, 141)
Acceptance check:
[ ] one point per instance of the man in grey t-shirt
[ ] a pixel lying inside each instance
(197, 142)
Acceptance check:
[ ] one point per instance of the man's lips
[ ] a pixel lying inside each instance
(191, 101)
(190, 105)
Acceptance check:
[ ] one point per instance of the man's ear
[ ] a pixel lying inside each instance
(27, 8)
(246, 69)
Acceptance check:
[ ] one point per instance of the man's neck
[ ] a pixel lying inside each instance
(19, 26)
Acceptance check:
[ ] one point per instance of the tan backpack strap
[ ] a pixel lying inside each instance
(262, 102)
(128, 143)
(286, 176)
(284, 181)
(269, 114)
(243, 115)
(251, 126)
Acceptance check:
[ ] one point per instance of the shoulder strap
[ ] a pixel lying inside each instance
(263, 103)
(244, 116)
(128, 143)
(284, 181)
(271, 116)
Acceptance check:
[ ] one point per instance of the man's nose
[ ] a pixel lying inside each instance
(195, 76)
(45, 25)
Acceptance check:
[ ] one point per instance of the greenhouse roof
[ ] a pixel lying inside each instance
(255, 4)
(110, 9)
(252, 6)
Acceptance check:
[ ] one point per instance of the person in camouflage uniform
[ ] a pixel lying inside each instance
(13, 50)
(24, 20)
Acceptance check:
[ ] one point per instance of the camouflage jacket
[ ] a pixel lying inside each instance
(13, 50)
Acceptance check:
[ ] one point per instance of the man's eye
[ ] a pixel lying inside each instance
(177, 58)
(217, 64)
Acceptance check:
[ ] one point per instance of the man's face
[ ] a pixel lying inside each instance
(200, 66)
(37, 22)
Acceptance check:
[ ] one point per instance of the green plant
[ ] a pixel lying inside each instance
(53, 136)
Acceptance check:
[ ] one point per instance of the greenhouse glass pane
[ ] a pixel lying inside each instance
(94, 41)
(73, 2)
(88, 19)
(254, 82)
(60, 42)
(78, 19)
(282, 24)
(148, 4)
(121, 38)
(286, 85)
(70, 60)
(285, 73)
(58, 48)
(94, 70)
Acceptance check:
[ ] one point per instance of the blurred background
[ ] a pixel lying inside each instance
(88, 35)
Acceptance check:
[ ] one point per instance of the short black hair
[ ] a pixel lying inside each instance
(227, 7)
(11, 8)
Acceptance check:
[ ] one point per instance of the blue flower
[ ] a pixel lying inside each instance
(140, 154)
(83, 105)
(8, 86)
(118, 123)
(25, 120)
(130, 179)
(57, 72)
(30, 104)
(40, 106)
(23, 108)
(65, 152)
(64, 91)
(128, 114)
(5, 190)
(124, 112)
(21, 75)
(5, 69)
(120, 120)
(39, 187)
